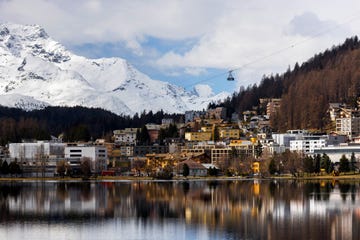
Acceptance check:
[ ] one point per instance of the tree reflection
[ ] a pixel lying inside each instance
(252, 208)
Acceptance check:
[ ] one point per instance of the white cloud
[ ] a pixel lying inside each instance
(255, 36)
(85, 21)
(308, 24)
(195, 71)
(203, 90)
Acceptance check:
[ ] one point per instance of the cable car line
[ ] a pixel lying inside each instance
(316, 35)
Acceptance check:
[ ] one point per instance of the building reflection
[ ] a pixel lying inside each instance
(242, 209)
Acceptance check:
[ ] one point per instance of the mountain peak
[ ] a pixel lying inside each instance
(29, 31)
(34, 65)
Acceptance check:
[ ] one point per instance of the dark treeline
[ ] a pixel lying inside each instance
(75, 123)
(307, 89)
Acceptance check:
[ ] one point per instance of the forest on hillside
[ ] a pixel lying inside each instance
(73, 123)
(307, 89)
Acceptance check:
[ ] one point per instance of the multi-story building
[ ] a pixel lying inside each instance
(229, 133)
(308, 144)
(96, 154)
(165, 122)
(283, 139)
(159, 161)
(191, 115)
(273, 106)
(126, 136)
(220, 156)
(37, 158)
(335, 110)
(349, 126)
(141, 151)
(243, 147)
(216, 113)
(119, 156)
(207, 128)
(153, 130)
(198, 136)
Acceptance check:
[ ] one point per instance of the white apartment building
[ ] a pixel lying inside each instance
(307, 145)
(96, 154)
(126, 136)
(33, 150)
(283, 139)
(38, 157)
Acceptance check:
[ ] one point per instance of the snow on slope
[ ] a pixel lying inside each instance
(20, 101)
(34, 65)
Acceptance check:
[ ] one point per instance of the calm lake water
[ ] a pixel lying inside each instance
(248, 209)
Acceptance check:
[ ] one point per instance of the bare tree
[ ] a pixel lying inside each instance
(138, 165)
(85, 166)
(62, 168)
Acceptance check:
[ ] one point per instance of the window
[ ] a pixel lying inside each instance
(75, 150)
(75, 155)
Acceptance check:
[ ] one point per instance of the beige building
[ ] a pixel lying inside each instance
(229, 133)
(209, 128)
(273, 106)
(198, 136)
(126, 136)
(217, 113)
(220, 155)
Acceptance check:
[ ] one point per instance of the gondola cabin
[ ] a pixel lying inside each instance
(230, 77)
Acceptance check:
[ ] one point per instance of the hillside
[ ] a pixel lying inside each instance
(75, 123)
(307, 89)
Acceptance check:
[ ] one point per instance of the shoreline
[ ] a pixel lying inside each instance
(175, 179)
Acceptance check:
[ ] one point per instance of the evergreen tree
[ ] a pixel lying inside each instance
(272, 166)
(344, 164)
(14, 168)
(317, 160)
(144, 137)
(186, 170)
(212, 171)
(326, 163)
(309, 164)
(5, 168)
(352, 162)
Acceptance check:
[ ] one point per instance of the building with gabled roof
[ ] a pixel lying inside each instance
(195, 169)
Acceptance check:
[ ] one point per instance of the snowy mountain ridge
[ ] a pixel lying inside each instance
(36, 71)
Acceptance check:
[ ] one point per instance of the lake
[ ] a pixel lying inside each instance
(223, 209)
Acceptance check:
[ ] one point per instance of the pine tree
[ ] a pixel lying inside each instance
(272, 166)
(326, 163)
(186, 170)
(309, 164)
(352, 162)
(5, 168)
(344, 164)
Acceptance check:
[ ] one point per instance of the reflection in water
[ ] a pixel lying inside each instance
(180, 210)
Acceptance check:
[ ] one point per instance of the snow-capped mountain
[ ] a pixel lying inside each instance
(36, 71)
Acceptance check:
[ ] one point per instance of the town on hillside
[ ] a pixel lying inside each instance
(205, 143)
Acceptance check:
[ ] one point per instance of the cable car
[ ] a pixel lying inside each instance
(230, 77)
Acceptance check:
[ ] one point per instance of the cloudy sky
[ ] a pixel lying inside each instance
(189, 42)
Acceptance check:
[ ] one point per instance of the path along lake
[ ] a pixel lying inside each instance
(220, 209)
